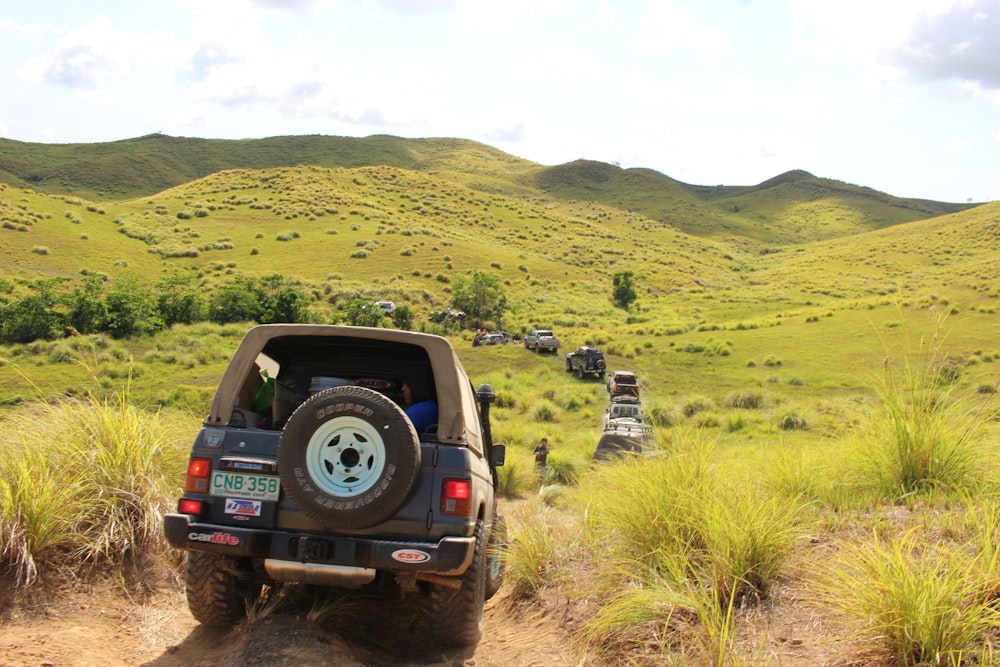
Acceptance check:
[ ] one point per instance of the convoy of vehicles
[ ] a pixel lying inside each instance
(625, 431)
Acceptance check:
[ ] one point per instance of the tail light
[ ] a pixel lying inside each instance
(456, 497)
(197, 475)
(189, 506)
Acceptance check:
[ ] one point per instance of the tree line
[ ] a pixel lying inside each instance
(127, 308)
(54, 307)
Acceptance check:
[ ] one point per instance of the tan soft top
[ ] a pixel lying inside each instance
(458, 418)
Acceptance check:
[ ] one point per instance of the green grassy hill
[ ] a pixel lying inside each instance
(147, 165)
(793, 207)
(796, 285)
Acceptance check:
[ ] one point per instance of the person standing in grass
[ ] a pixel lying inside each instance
(542, 454)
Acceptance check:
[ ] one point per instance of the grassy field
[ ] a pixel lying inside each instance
(815, 356)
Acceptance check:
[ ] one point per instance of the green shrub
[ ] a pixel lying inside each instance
(545, 412)
(735, 423)
(791, 422)
(747, 400)
(683, 521)
(693, 407)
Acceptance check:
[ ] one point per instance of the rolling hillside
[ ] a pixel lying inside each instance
(794, 207)
(735, 275)
(147, 165)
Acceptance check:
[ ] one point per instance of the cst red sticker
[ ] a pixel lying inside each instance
(411, 556)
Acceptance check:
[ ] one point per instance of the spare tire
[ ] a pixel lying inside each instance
(348, 458)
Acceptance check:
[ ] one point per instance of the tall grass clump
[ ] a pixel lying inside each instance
(924, 434)
(647, 508)
(514, 476)
(134, 465)
(708, 543)
(85, 481)
(667, 622)
(34, 516)
(561, 470)
(539, 541)
(745, 400)
(917, 602)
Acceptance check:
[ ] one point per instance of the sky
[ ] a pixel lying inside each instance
(902, 96)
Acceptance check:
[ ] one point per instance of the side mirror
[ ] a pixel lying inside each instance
(497, 455)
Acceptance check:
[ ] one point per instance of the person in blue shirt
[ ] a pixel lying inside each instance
(419, 407)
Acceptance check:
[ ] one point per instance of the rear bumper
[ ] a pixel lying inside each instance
(449, 556)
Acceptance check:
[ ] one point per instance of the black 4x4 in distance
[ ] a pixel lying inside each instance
(315, 473)
(586, 360)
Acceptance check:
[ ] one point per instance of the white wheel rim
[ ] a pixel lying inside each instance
(345, 456)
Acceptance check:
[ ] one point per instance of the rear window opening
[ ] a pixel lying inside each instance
(289, 370)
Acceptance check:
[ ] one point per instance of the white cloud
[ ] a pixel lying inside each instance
(669, 26)
(558, 63)
(30, 32)
(91, 55)
(923, 40)
(957, 43)
(507, 18)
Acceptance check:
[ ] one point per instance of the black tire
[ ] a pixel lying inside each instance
(348, 458)
(569, 366)
(496, 557)
(456, 614)
(217, 594)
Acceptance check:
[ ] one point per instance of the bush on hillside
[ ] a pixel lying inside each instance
(748, 400)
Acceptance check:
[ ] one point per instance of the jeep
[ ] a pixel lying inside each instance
(624, 408)
(541, 340)
(308, 469)
(623, 383)
(622, 439)
(586, 360)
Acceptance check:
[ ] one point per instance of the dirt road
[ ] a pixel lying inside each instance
(103, 627)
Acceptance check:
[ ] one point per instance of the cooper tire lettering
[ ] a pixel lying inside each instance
(348, 457)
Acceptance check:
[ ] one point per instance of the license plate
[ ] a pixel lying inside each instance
(244, 485)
